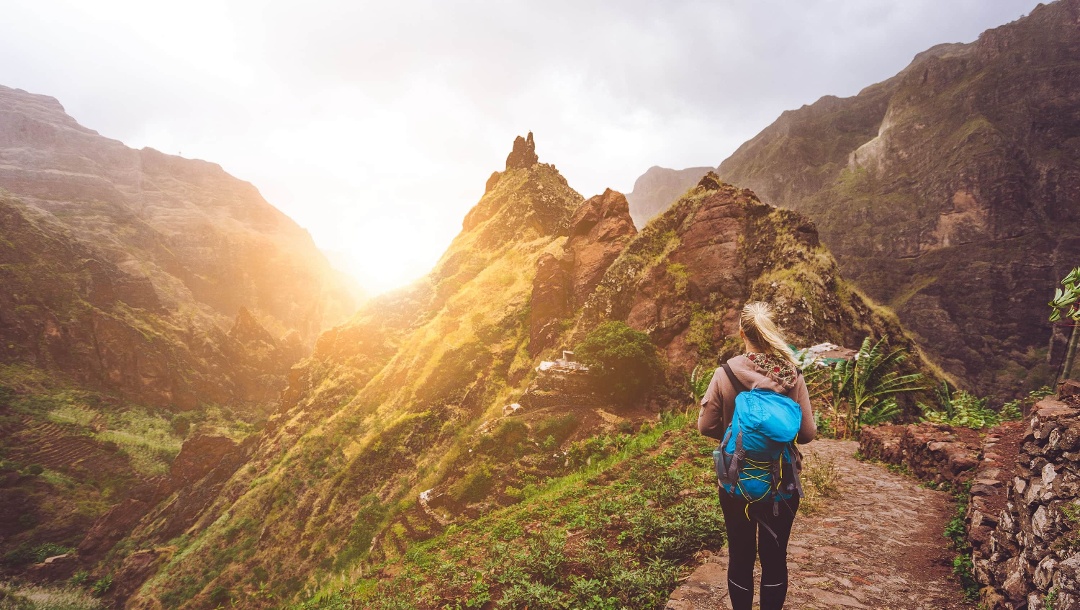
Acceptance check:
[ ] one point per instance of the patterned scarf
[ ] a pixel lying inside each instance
(778, 369)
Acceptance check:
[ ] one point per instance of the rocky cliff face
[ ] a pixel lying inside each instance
(132, 265)
(658, 188)
(598, 232)
(949, 191)
(684, 277)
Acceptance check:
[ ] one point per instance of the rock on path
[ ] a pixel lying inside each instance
(877, 544)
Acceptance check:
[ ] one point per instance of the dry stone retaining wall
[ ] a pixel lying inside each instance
(1032, 557)
(1023, 519)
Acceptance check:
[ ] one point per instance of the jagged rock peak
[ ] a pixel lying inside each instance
(710, 181)
(524, 153)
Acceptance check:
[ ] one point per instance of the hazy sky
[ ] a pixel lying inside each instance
(375, 125)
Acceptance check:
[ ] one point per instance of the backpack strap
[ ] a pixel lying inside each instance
(738, 385)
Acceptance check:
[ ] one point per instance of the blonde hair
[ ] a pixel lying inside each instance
(756, 322)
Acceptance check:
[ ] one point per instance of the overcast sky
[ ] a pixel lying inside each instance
(375, 125)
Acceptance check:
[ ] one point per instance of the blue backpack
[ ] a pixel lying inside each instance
(755, 459)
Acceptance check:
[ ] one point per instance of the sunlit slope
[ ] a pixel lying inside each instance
(179, 243)
(383, 401)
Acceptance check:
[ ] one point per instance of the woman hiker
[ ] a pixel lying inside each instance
(758, 528)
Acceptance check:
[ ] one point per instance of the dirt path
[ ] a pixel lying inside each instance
(878, 545)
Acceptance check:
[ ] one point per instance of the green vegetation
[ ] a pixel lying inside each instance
(820, 480)
(958, 408)
(26, 554)
(1066, 303)
(623, 360)
(863, 391)
(956, 532)
(615, 534)
(1051, 598)
(699, 381)
(962, 409)
(38, 597)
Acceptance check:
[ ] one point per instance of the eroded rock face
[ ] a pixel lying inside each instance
(597, 233)
(552, 301)
(961, 168)
(599, 230)
(683, 278)
(164, 509)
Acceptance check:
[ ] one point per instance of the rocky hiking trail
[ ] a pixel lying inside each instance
(878, 543)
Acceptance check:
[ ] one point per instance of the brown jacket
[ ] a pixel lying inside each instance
(719, 401)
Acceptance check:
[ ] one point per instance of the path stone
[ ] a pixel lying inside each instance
(878, 544)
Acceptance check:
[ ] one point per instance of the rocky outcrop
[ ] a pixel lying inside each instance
(523, 155)
(658, 188)
(682, 279)
(551, 302)
(203, 464)
(960, 168)
(529, 199)
(598, 231)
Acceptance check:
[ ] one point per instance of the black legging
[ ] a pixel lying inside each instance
(743, 536)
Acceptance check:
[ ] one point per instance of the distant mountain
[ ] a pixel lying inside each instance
(403, 421)
(139, 257)
(658, 188)
(948, 192)
(146, 300)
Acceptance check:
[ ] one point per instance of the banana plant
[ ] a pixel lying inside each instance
(866, 387)
(1066, 304)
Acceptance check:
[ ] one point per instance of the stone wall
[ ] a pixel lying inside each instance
(1032, 557)
(1023, 518)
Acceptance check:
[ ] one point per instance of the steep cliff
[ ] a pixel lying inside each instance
(948, 192)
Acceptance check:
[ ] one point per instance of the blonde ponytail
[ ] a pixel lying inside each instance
(757, 323)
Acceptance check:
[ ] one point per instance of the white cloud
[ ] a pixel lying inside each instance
(375, 125)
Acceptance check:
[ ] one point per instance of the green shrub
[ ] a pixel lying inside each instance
(557, 428)
(101, 586)
(623, 361)
(27, 553)
(474, 486)
(966, 410)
